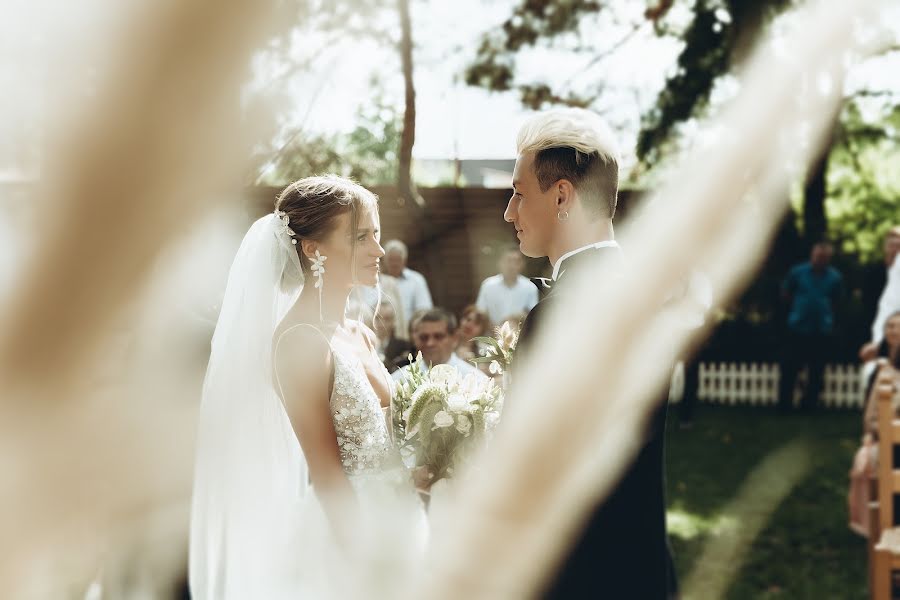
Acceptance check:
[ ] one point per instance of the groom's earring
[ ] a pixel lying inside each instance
(318, 271)
(562, 216)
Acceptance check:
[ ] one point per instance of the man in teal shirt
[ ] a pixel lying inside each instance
(812, 290)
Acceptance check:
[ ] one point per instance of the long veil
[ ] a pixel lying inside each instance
(250, 473)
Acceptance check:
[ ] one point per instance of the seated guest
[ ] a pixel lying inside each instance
(889, 348)
(473, 322)
(865, 461)
(507, 293)
(390, 347)
(434, 335)
(386, 292)
(889, 299)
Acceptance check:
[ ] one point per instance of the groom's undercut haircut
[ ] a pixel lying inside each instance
(574, 144)
(434, 315)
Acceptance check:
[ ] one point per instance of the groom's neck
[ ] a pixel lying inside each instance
(578, 236)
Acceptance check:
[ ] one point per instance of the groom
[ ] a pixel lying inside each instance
(564, 197)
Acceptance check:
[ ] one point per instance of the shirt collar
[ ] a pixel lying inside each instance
(603, 244)
(453, 360)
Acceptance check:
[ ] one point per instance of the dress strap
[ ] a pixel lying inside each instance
(278, 343)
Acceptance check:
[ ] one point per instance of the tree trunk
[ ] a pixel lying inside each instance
(406, 187)
(814, 222)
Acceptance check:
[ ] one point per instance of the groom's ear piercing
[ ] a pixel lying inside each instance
(562, 216)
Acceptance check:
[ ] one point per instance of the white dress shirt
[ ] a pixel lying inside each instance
(500, 301)
(889, 303)
(413, 292)
(464, 368)
(603, 244)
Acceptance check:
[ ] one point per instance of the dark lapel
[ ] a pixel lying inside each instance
(591, 258)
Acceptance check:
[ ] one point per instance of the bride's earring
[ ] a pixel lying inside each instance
(318, 271)
(562, 216)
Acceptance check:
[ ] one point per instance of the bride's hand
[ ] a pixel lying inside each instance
(422, 478)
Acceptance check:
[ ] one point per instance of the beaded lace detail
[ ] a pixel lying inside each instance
(362, 430)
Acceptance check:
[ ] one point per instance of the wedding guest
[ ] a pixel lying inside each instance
(888, 349)
(386, 292)
(433, 333)
(414, 294)
(473, 322)
(889, 300)
(811, 289)
(865, 461)
(508, 293)
(390, 348)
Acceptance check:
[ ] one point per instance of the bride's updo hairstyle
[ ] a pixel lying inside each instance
(313, 203)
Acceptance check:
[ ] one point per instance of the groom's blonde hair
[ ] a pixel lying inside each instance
(577, 145)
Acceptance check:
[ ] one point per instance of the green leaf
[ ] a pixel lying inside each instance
(489, 341)
(486, 359)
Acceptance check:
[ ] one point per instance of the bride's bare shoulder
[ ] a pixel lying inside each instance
(301, 349)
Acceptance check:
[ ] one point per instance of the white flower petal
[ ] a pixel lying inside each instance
(443, 419)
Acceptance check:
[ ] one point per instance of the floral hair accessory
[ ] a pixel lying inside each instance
(285, 227)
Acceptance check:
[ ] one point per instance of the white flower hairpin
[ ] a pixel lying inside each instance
(285, 227)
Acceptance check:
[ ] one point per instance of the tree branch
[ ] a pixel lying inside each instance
(606, 53)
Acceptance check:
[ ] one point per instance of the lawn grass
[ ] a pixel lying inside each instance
(805, 549)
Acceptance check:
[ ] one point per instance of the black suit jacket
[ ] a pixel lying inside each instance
(622, 551)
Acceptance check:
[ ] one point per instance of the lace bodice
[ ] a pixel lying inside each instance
(363, 433)
(359, 421)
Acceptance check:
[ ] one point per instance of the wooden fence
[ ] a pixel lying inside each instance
(756, 384)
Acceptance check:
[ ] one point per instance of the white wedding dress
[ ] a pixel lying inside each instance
(394, 526)
(257, 528)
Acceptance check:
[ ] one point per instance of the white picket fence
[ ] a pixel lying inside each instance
(757, 384)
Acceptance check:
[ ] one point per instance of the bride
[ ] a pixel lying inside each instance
(297, 476)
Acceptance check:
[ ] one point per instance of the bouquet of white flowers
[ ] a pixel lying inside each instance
(440, 417)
